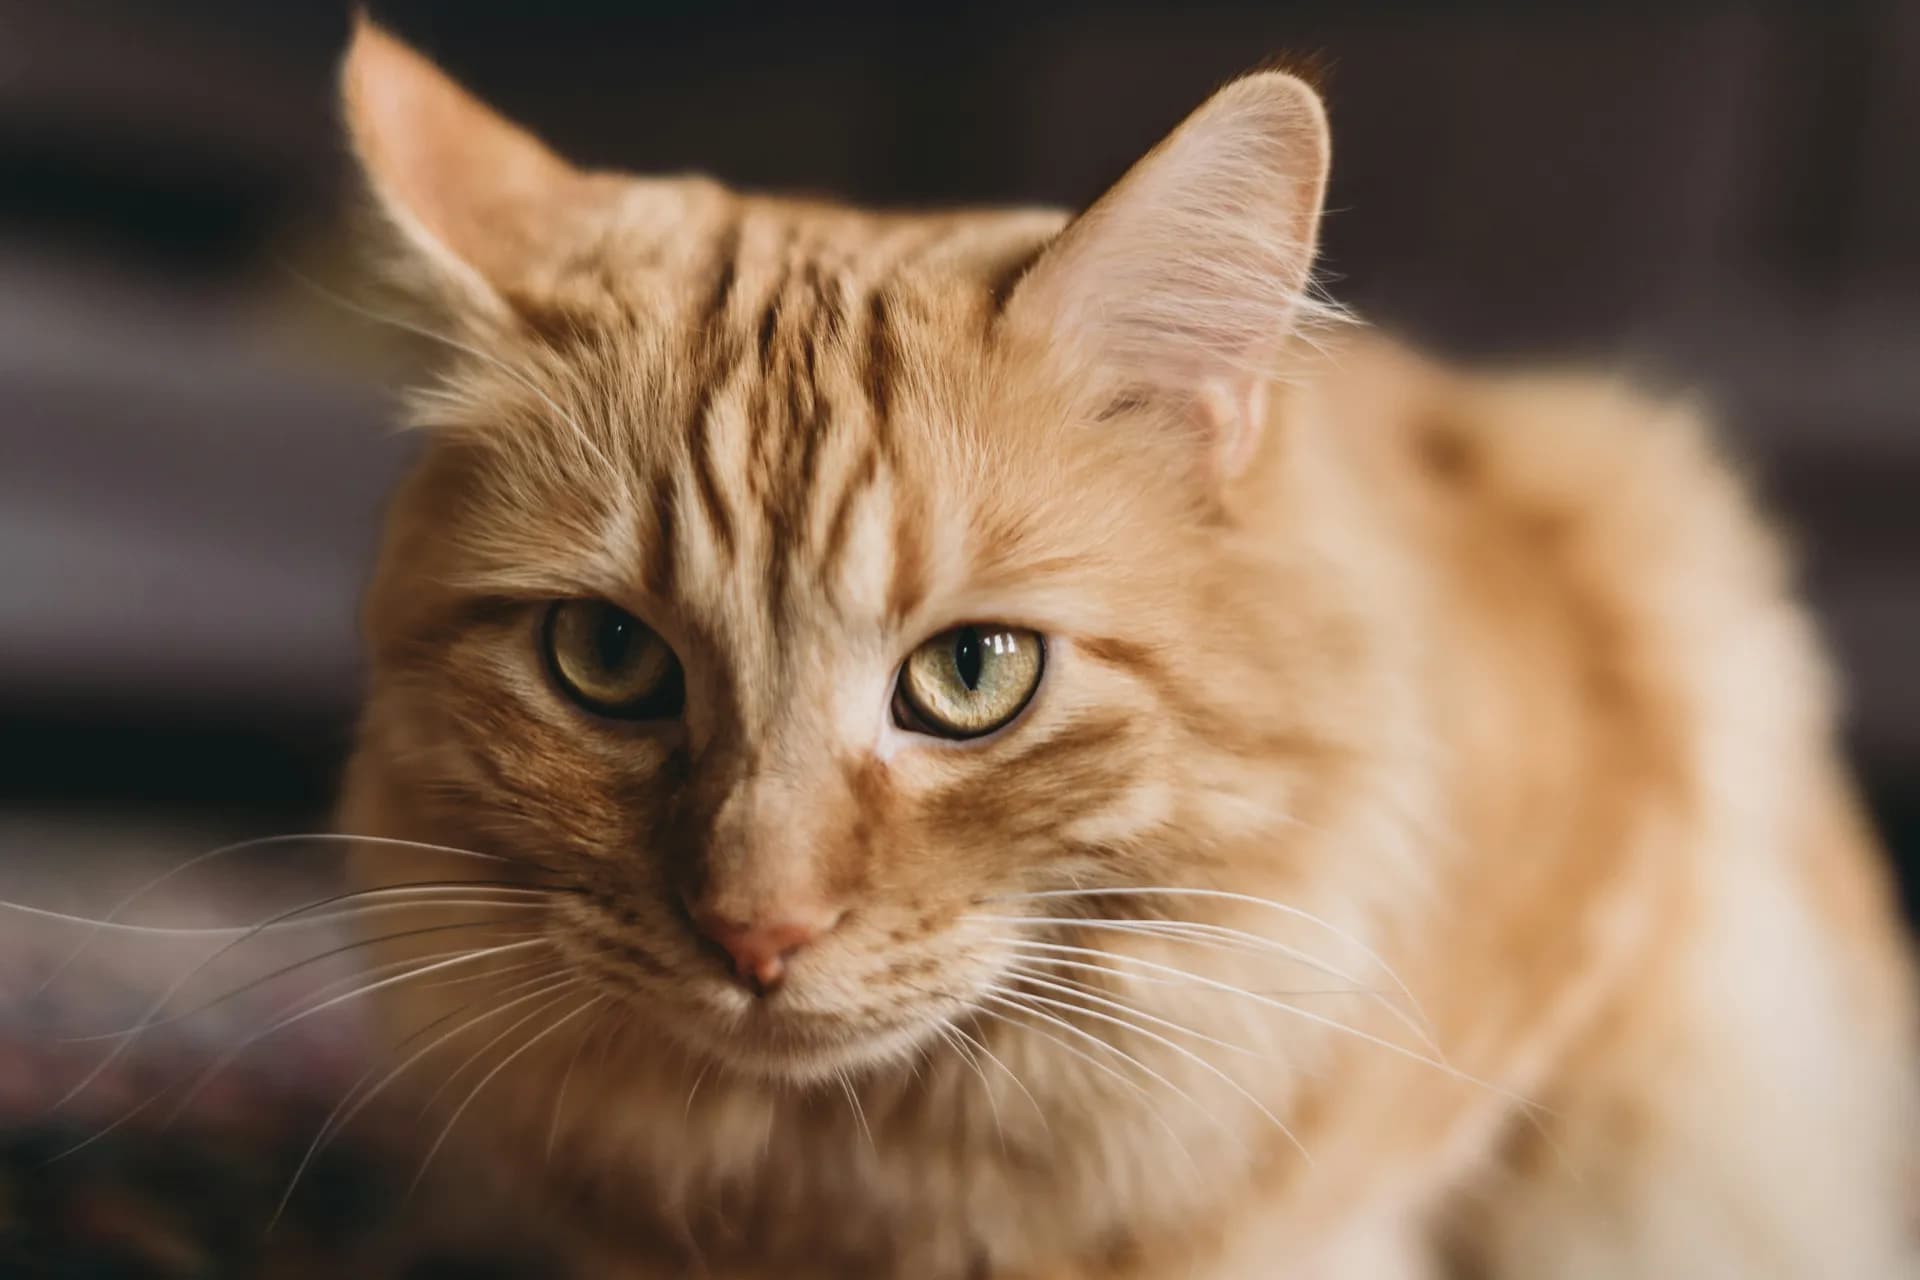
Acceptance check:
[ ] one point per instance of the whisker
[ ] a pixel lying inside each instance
(1224, 895)
(136, 1110)
(502, 1065)
(281, 972)
(336, 1122)
(1221, 936)
(427, 1106)
(232, 1055)
(144, 930)
(853, 1102)
(1075, 1051)
(1184, 1052)
(166, 996)
(1005, 995)
(1319, 1019)
(946, 1033)
(264, 842)
(686, 1112)
(1087, 991)
(560, 1097)
(314, 1146)
(468, 978)
(236, 930)
(994, 1058)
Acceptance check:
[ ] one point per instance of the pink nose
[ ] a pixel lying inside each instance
(760, 949)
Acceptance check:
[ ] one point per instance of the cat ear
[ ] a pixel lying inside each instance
(1179, 286)
(481, 203)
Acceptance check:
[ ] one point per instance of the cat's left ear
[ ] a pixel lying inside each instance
(1181, 284)
(481, 203)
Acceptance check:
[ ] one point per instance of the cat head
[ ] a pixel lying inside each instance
(803, 588)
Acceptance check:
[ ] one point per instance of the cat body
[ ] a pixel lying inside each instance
(1420, 850)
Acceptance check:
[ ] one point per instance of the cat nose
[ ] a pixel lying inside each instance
(760, 948)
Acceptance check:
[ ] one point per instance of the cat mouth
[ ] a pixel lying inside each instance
(772, 1039)
(799, 1032)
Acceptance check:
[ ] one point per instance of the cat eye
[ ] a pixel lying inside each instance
(612, 663)
(969, 681)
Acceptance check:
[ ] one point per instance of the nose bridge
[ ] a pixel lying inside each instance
(761, 853)
(770, 789)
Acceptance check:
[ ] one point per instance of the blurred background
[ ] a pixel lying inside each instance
(194, 444)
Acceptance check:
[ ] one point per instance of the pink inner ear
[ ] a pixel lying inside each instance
(1234, 414)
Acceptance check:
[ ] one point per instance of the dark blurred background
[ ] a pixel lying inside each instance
(193, 445)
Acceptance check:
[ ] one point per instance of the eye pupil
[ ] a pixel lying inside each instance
(967, 656)
(614, 638)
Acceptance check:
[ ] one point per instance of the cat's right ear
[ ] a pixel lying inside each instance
(479, 203)
(1180, 285)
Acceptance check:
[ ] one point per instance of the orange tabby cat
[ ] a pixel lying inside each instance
(1024, 765)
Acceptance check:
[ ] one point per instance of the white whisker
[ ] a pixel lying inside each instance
(1223, 937)
(1307, 1014)
(153, 1010)
(1081, 1054)
(1021, 999)
(260, 842)
(210, 1073)
(1223, 895)
(981, 1045)
(560, 1095)
(337, 1122)
(1180, 1049)
(1087, 991)
(502, 1065)
(859, 1112)
(295, 966)
(960, 1047)
(686, 1112)
(427, 1106)
(232, 1055)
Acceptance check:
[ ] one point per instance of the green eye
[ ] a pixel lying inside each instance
(612, 663)
(969, 681)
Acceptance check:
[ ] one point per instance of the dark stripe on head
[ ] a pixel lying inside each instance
(881, 359)
(725, 270)
(663, 550)
(776, 298)
(813, 429)
(827, 301)
(769, 324)
(701, 448)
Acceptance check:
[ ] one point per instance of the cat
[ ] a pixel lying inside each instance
(1016, 745)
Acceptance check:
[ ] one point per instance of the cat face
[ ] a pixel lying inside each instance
(799, 587)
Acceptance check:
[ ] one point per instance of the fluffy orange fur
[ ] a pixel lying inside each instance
(1425, 853)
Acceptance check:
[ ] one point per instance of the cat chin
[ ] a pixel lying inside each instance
(772, 1054)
